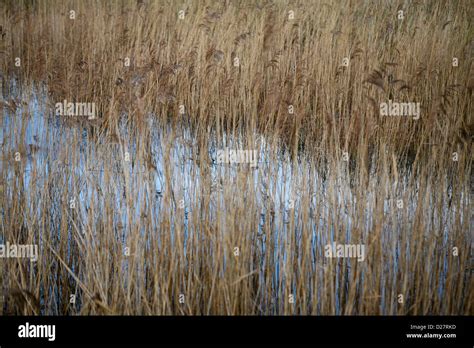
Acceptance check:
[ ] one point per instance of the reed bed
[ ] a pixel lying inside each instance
(131, 212)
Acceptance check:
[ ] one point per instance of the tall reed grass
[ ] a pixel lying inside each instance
(132, 214)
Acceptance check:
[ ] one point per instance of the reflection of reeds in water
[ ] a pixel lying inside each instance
(231, 211)
(168, 222)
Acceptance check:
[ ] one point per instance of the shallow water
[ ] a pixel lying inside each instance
(84, 172)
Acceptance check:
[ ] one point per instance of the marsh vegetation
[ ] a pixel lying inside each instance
(133, 214)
